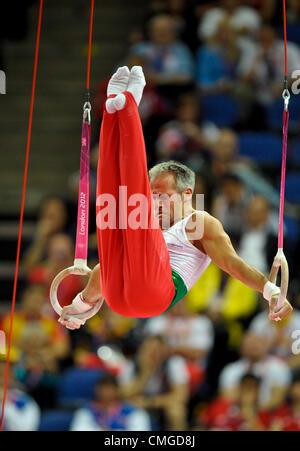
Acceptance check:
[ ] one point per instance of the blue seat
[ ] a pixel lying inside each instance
(275, 111)
(292, 31)
(220, 109)
(297, 151)
(264, 148)
(291, 229)
(292, 187)
(77, 386)
(55, 420)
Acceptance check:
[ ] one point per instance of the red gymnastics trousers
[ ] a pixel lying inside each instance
(135, 273)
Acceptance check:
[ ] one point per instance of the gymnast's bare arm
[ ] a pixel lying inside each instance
(217, 245)
(92, 291)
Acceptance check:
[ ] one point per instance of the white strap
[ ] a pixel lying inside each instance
(80, 305)
(270, 290)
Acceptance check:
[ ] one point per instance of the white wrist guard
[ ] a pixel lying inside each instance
(81, 305)
(270, 290)
(84, 311)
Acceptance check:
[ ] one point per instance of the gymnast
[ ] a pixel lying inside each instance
(148, 264)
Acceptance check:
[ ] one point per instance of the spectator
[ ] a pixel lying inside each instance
(204, 186)
(109, 412)
(183, 14)
(246, 21)
(280, 333)
(220, 297)
(37, 368)
(220, 62)
(52, 219)
(255, 358)
(230, 204)
(287, 416)
(158, 383)
(183, 139)
(21, 412)
(168, 62)
(109, 327)
(188, 335)
(185, 19)
(258, 242)
(241, 414)
(264, 69)
(35, 311)
(224, 149)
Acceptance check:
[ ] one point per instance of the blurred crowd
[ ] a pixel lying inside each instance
(214, 361)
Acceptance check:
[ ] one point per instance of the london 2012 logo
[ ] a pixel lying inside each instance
(2, 82)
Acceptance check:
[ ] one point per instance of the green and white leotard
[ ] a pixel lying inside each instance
(187, 262)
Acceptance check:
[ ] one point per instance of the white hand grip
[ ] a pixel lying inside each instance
(280, 262)
(79, 268)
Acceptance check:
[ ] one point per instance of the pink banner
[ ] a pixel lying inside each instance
(82, 233)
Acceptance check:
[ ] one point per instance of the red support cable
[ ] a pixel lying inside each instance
(24, 187)
(21, 212)
(285, 39)
(285, 128)
(90, 46)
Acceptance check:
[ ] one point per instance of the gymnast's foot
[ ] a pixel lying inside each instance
(136, 83)
(117, 84)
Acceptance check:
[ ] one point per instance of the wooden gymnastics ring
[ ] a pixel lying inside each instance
(280, 261)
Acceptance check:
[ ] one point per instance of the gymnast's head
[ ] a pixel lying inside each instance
(172, 185)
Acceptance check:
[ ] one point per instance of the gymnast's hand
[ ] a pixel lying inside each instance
(75, 315)
(69, 321)
(274, 313)
(68, 315)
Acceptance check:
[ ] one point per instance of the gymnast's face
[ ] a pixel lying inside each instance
(167, 200)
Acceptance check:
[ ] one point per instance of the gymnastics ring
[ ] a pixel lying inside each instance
(280, 262)
(79, 268)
